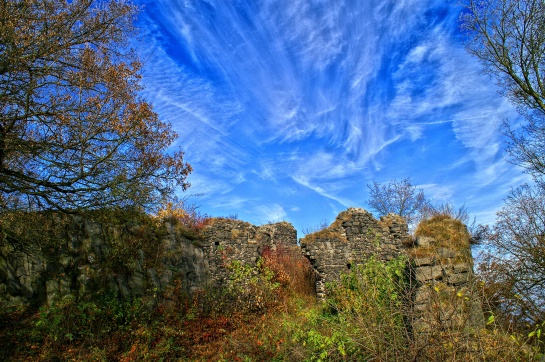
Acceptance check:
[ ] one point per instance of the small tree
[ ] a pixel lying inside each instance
(398, 197)
(74, 133)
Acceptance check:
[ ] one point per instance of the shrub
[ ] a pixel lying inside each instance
(290, 269)
(372, 299)
(68, 320)
(185, 216)
(252, 288)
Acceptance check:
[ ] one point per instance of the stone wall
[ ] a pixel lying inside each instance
(444, 294)
(441, 272)
(83, 260)
(353, 237)
(226, 240)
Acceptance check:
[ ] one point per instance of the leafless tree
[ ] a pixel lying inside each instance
(508, 37)
(515, 264)
(397, 197)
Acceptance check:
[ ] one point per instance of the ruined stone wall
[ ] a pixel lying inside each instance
(441, 271)
(228, 240)
(444, 293)
(354, 236)
(450, 266)
(82, 262)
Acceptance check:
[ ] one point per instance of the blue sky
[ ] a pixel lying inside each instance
(287, 109)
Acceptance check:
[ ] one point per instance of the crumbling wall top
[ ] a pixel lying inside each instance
(227, 240)
(353, 237)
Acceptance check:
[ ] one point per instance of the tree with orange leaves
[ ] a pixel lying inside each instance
(74, 132)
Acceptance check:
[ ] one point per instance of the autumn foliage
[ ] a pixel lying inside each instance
(74, 132)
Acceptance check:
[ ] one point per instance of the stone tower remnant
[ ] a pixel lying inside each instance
(353, 237)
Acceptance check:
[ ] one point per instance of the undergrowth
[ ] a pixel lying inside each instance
(264, 313)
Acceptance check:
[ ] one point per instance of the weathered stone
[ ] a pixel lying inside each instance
(423, 261)
(428, 273)
(352, 238)
(26, 287)
(219, 252)
(461, 268)
(169, 228)
(122, 286)
(137, 283)
(446, 253)
(424, 241)
(57, 288)
(66, 261)
(458, 279)
(13, 286)
(422, 295)
(154, 280)
(166, 278)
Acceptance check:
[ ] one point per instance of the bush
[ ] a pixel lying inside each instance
(252, 289)
(291, 270)
(372, 300)
(68, 320)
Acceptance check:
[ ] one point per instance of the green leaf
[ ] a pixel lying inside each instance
(491, 319)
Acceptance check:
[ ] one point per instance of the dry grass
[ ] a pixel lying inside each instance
(326, 234)
(446, 231)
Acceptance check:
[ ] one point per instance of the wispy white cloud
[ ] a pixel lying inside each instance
(270, 213)
(231, 202)
(272, 95)
(206, 186)
(439, 193)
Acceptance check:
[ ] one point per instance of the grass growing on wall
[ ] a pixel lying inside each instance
(446, 231)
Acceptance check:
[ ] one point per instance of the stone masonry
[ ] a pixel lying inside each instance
(228, 240)
(353, 237)
(78, 263)
(197, 260)
(444, 293)
(441, 276)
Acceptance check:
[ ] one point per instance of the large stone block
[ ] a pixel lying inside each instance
(427, 273)
(423, 261)
(446, 253)
(458, 279)
(137, 283)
